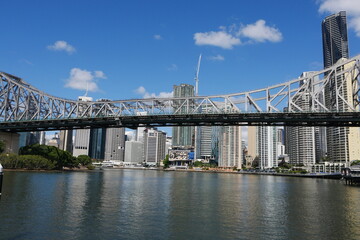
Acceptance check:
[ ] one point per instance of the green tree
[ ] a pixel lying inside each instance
(59, 157)
(166, 161)
(198, 164)
(36, 162)
(284, 164)
(84, 160)
(355, 162)
(11, 161)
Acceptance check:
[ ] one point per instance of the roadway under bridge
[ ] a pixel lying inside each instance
(329, 97)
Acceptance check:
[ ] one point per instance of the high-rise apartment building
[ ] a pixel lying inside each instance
(342, 142)
(183, 136)
(267, 146)
(154, 146)
(300, 145)
(335, 39)
(230, 147)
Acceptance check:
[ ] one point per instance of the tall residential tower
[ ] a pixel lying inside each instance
(342, 141)
(335, 39)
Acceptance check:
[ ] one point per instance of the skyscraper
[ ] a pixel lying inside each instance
(207, 145)
(335, 40)
(341, 141)
(300, 144)
(183, 136)
(81, 143)
(267, 146)
(97, 143)
(154, 146)
(230, 147)
(115, 144)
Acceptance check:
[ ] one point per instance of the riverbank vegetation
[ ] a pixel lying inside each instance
(43, 157)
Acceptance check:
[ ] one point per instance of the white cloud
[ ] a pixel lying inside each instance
(62, 46)
(259, 32)
(352, 8)
(99, 74)
(173, 67)
(231, 36)
(355, 24)
(219, 39)
(84, 80)
(217, 58)
(158, 37)
(142, 91)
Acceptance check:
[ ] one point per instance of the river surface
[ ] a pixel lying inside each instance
(149, 204)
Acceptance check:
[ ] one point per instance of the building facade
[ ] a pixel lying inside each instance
(183, 136)
(115, 144)
(66, 140)
(300, 145)
(267, 147)
(97, 143)
(342, 142)
(154, 146)
(134, 153)
(81, 142)
(335, 38)
(230, 147)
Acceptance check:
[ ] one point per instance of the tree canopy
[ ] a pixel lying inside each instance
(58, 157)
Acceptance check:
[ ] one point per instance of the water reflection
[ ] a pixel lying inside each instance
(137, 204)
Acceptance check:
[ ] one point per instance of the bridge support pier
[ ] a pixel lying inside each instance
(11, 141)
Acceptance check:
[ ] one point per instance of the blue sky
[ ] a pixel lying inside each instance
(136, 49)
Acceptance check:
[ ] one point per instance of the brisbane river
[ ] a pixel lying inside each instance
(150, 204)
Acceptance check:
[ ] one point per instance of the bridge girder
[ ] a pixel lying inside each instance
(331, 91)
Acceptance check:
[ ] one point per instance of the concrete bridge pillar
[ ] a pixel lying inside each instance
(11, 142)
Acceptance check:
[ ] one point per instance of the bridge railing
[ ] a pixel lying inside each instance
(333, 89)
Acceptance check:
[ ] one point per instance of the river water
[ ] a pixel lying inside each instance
(149, 204)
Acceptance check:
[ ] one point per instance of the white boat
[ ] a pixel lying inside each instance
(107, 164)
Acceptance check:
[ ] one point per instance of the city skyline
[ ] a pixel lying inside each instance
(141, 49)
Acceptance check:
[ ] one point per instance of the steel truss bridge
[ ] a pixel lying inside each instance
(325, 98)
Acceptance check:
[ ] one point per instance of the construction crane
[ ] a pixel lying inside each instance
(197, 94)
(197, 77)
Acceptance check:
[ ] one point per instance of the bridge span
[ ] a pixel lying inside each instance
(329, 97)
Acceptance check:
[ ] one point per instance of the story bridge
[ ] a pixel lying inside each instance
(329, 97)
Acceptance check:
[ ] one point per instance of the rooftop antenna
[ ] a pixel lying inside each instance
(197, 77)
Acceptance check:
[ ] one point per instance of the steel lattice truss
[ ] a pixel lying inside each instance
(322, 93)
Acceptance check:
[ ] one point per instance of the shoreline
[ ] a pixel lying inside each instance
(323, 176)
(337, 176)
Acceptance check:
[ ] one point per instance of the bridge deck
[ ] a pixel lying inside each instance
(327, 119)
